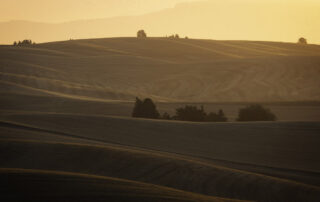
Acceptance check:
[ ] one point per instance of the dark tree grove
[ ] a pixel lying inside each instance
(192, 113)
(23, 43)
(145, 109)
(256, 112)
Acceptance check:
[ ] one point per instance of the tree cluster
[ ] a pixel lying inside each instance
(195, 114)
(25, 42)
(147, 109)
(142, 34)
(174, 36)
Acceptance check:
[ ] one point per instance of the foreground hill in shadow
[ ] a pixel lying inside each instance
(180, 161)
(41, 185)
(164, 69)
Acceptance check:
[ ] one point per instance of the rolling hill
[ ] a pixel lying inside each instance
(65, 130)
(183, 70)
(40, 185)
(259, 162)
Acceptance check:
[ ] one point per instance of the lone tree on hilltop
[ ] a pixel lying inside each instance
(302, 41)
(141, 34)
(145, 109)
(255, 112)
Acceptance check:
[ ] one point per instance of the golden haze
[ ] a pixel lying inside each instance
(283, 20)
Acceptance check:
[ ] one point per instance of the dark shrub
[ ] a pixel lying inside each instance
(166, 116)
(302, 41)
(255, 112)
(190, 113)
(141, 34)
(145, 109)
(216, 117)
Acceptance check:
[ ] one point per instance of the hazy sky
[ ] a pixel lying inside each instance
(69, 10)
(271, 20)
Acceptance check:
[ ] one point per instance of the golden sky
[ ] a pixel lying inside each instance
(270, 20)
(69, 10)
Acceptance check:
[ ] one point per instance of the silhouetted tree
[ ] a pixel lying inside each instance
(186, 37)
(255, 112)
(302, 41)
(141, 34)
(15, 43)
(145, 109)
(177, 36)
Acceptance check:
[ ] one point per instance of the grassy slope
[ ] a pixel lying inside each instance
(167, 70)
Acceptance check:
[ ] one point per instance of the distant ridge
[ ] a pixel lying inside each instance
(217, 20)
